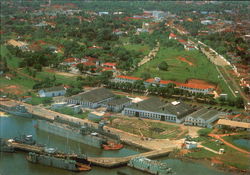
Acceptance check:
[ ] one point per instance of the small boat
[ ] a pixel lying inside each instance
(25, 139)
(112, 146)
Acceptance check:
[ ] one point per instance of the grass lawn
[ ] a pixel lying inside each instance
(59, 78)
(200, 154)
(12, 61)
(181, 71)
(146, 128)
(144, 49)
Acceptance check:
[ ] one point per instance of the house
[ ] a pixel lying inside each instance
(196, 87)
(21, 45)
(71, 61)
(203, 117)
(172, 36)
(126, 79)
(245, 82)
(52, 92)
(189, 47)
(206, 22)
(117, 105)
(109, 65)
(155, 108)
(157, 81)
(92, 99)
(103, 13)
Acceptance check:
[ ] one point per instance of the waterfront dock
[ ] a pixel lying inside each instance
(110, 162)
(155, 147)
(25, 147)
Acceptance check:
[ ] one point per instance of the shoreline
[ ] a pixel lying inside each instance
(209, 162)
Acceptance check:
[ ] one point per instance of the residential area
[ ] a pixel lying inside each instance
(151, 78)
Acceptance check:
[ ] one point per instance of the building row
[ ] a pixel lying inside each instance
(191, 87)
(152, 108)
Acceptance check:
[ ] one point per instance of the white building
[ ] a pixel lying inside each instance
(52, 92)
(203, 117)
(155, 108)
(92, 99)
(126, 79)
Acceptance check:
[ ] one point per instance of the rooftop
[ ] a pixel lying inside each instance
(155, 104)
(233, 123)
(205, 113)
(128, 77)
(118, 101)
(93, 96)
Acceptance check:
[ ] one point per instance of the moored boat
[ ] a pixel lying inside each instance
(58, 161)
(14, 108)
(112, 146)
(150, 166)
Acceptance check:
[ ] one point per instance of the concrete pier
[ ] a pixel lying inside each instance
(110, 162)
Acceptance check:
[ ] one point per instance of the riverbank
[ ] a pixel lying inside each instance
(210, 160)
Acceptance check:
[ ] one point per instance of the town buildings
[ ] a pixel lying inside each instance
(117, 105)
(52, 92)
(92, 99)
(189, 86)
(203, 117)
(155, 108)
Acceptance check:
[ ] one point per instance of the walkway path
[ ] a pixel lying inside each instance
(209, 149)
(219, 137)
(150, 56)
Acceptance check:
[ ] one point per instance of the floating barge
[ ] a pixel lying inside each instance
(150, 166)
(58, 160)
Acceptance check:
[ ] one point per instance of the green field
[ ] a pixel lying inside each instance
(181, 71)
(144, 49)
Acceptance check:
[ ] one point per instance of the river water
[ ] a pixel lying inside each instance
(15, 164)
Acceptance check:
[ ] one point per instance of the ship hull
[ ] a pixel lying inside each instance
(49, 160)
(27, 115)
(63, 131)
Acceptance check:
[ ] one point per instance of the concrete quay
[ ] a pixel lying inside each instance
(110, 162)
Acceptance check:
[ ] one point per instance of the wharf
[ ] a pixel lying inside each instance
(155, 147)
(26, 148)
(110, 162)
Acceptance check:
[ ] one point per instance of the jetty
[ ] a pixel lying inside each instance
(26, 147)
(111, 162)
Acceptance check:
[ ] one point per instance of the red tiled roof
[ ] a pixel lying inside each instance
(70, 60)
(181, 41)
(108, 69)
(195, 86)
(88, 63)
(91, 59)
(172, 35)
(128, 77)
(109, 64)
(152, 80)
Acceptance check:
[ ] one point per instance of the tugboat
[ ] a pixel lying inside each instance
(59, 160)
(109, 145)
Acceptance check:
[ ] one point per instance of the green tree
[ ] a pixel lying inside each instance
(163, 66)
